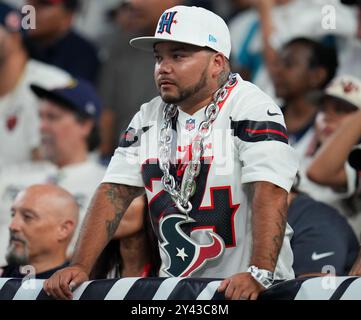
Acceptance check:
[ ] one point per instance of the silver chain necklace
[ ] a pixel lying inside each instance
(187, 189)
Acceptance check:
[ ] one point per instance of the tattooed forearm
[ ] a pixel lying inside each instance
(104, 214)
(119, 197)
(112, 225)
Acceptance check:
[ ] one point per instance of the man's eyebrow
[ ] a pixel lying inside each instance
(28, 210)
(186, 48)
(179, 47)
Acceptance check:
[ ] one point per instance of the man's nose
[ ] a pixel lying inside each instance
(164, 66)
(15, 224)
(44, 125)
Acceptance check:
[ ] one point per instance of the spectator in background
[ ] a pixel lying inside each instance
(336, 104)
(43, 221)
(133, 252)
(68, 118)
(259, 33)
(339, 148)
(55, 42)
(322, 237)
(126, 79)
(304, 66)
(341, 131)
(92, 19)
(19, 129)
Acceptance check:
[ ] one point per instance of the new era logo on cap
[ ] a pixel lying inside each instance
(212, 39)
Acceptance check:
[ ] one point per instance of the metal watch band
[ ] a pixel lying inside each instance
(262, 276)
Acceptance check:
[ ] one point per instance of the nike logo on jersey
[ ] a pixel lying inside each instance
(273, 113)
(318, 256)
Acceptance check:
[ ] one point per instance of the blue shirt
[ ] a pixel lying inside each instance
(322, 236)
(72, 53)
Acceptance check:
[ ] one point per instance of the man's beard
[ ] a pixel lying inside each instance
(15, 258)
(188, 92)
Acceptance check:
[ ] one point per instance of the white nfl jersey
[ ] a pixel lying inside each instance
(327, 194)
(19, 109)
(248, 143)
(81, 180)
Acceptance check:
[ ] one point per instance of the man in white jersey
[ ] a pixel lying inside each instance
(67, 119)
(213, 157)
(19, 107)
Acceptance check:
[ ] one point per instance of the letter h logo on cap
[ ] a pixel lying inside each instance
(166, 22)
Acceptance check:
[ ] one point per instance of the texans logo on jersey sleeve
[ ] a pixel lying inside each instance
(186, 256)
(131, 137)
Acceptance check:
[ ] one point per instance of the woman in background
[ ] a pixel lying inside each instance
(133, 252)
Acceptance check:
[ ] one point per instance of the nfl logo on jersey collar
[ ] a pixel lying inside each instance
(190, 124)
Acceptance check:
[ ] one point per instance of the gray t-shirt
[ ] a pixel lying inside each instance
(126, 81)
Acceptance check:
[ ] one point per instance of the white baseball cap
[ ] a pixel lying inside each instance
(346, 88)
(191, 25)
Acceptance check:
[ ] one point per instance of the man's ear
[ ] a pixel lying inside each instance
(87, 126)
(218, 64)
(66, 230)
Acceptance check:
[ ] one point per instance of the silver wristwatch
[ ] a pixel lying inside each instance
(262, 276)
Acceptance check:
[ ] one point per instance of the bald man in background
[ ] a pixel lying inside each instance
(44, 218)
